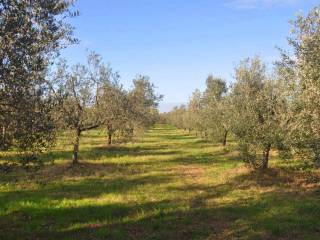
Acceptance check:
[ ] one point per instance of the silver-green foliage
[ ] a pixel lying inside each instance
(31, 34)
(301, 72)
(77, 93)
(257, 107)
(216, 111)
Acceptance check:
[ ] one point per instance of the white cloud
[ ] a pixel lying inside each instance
(256, 4)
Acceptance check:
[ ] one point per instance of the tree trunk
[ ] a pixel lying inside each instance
(76, 147)
(224, 142)
(109, 138)
(4, 136)
(110, 131)
(265, 158)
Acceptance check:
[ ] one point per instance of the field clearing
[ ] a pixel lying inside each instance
(168, 185)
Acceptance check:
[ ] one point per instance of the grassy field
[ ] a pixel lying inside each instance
(169, 185)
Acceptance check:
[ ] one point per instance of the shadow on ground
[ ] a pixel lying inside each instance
(271, 216)
(94, 199)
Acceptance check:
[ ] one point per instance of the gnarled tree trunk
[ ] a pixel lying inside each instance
(224, 142)
(265, 157)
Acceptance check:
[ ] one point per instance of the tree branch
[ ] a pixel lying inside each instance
(89, 127)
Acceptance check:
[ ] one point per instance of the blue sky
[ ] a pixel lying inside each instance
(179, 42)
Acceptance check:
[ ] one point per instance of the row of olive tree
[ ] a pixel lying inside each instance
(36, 102)
(90, 96)
(265, 110)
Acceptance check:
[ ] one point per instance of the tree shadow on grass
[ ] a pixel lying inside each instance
(95, 153)
(181, 137)
(283, 213)
(47, 213)
(88, 188)
(120, 151)
(93, 163)
(115, 151)
(207, 159)
(274, 215)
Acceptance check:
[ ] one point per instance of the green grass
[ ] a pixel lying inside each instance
(168, 185)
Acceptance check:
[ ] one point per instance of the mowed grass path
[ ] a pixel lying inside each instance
(169, 185)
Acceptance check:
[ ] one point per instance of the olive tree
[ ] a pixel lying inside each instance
(144, 102)
(301, 73)
(115, 108)
(256, 122)
(31, 35)
(178, 117)
(217, 109)
(78, 94)
(195, 112)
